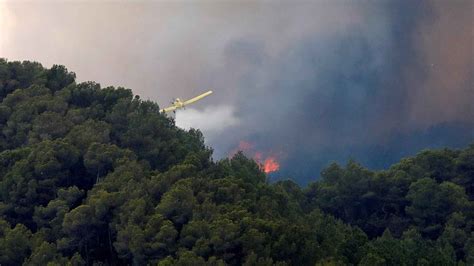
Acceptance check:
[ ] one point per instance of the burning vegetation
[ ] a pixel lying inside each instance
(267, 161)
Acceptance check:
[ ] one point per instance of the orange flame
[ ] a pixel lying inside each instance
(268, 164)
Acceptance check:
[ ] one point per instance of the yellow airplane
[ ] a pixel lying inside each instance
(178, 104)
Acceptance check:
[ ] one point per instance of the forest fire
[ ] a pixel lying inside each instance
(268, 164)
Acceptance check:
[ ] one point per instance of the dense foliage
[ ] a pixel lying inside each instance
(92, 175)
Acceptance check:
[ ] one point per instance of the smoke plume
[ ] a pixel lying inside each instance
(314, 81)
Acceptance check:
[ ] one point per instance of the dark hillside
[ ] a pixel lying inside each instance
(92, 175)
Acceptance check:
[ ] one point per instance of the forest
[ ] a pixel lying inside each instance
(97, 176)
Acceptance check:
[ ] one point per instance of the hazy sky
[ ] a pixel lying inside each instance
(309, 81)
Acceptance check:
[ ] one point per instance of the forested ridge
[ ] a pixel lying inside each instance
(97, 176)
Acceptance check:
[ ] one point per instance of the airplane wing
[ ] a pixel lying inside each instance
(168, 109)
(197, 98)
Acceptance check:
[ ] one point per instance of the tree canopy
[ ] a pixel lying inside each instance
(97, 176)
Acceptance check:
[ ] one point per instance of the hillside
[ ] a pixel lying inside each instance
(92, 175)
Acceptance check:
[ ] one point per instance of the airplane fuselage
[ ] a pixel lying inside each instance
(178, 104)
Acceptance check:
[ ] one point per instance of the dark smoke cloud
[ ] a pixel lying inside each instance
(313, 82)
